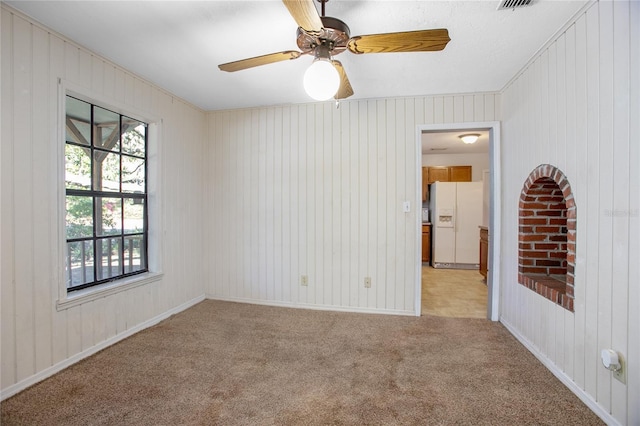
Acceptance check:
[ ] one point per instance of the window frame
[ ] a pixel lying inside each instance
(97, 196)
(72, 297)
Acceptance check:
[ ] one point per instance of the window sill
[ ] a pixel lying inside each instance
(103, 290)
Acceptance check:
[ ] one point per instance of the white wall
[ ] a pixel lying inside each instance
(318, 191)
(478, 162)
(35, 336)
(576, 106)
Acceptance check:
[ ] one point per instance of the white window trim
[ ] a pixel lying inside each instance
(155, 253)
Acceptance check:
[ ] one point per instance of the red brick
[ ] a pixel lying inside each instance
(551, 198)
(534, 221)
(549, 213)
(534, 270)
(535, 206)
(546, 262)
(533, 237)
(546, 246)
(569, 290)
(557, 255)
(549, 229)
(557, 221)
(530, 254)
(558, 206)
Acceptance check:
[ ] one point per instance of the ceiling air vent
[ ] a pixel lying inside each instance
(513, 4)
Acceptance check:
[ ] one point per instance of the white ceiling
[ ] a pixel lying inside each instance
(449, 142)
(179, 44)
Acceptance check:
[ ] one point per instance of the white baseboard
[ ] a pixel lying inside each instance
(48, 372)
(562, 376)
(311, 306)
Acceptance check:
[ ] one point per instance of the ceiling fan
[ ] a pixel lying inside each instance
(324, 37)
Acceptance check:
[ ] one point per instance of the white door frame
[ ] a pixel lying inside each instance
(493, 275)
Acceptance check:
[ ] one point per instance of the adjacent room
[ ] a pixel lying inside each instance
(236, 212)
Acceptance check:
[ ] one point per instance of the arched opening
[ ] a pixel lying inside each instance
(547, 235)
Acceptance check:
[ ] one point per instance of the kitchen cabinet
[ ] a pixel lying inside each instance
(460, 174)
(449, 174)
(426, 243)
(484, 251)
(438, 174)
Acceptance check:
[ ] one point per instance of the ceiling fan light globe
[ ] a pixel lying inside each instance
(321, 80)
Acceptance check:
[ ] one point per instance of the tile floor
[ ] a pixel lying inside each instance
(453, 293)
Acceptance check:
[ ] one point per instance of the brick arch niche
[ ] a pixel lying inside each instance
(547, 235)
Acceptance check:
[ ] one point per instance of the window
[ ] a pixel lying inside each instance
(106, 195)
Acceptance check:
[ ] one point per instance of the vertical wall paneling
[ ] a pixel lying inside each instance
(581, 197)
(23, 206)
(572, 107)
(567, 343)
(365, 237)
(38, 339)
(326, 187)
(633, 355)
(7, 325)
(604, 188)
(620, 141)
(42, 232)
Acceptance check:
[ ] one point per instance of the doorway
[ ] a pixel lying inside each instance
(484, 157)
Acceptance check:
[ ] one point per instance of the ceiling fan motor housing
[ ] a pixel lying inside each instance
(334, 35)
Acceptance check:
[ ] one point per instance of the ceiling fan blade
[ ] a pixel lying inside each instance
(409, 41)
(305, 14)
(345, 90)
(259, 60)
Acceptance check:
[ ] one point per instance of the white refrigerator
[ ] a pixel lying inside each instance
(456, 215)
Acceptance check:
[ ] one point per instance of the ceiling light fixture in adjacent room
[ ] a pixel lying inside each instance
(469, 138)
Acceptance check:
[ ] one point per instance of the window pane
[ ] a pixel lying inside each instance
(108, 253)
(109, 220)
(79, 216)
(133, 215)
(105, 162)
(106, 173)
(133, 136)
(79, 265)
(134, 254)
(133, 175)
(78, 121)
(106, 125)
(77, 167)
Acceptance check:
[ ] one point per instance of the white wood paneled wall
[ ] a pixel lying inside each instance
(35, 336)
(315, 190)
(577, 106)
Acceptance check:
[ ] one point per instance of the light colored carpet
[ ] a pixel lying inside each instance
(221, 363)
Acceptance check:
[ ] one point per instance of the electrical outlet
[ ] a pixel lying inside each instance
(304, 280)
(367, 282)
(620, 375)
